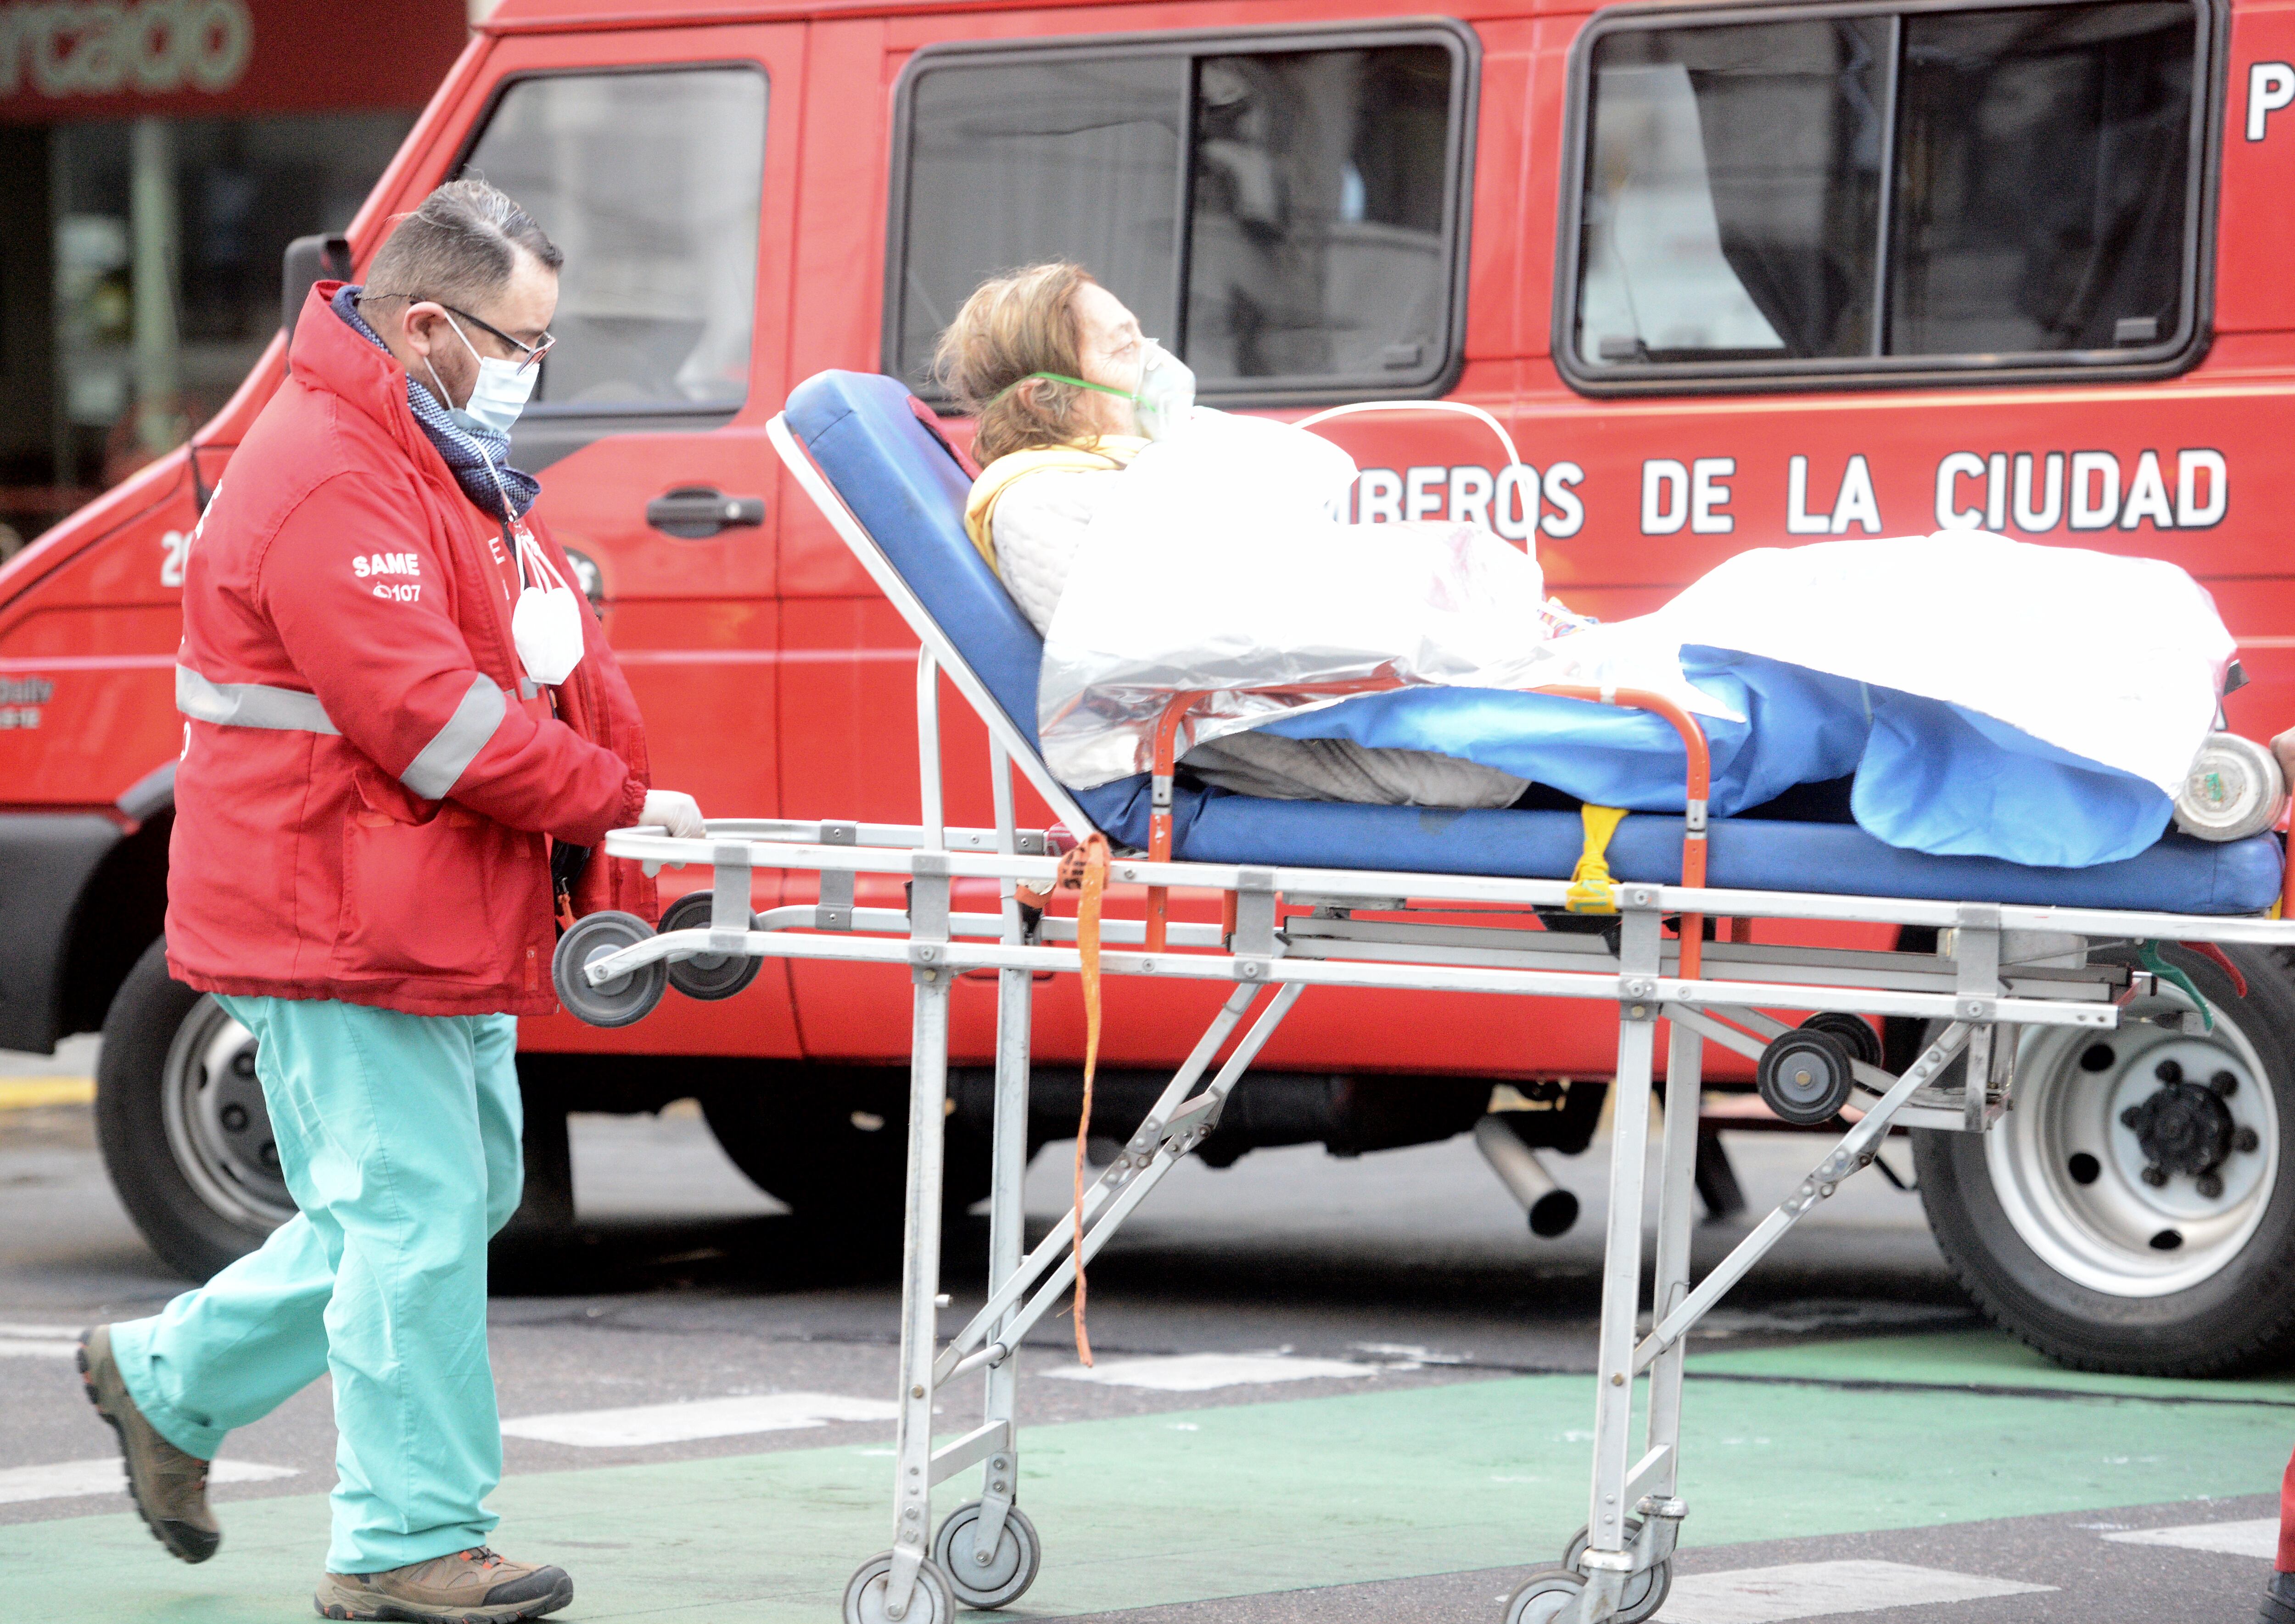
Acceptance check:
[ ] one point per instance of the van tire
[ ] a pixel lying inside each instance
(2030, 1255)
(183, 1200)
(831, 1143)
(199, 1218)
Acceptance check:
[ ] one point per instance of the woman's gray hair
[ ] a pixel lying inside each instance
(461, 245)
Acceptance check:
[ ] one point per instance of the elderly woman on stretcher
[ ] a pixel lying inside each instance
(1958, 694)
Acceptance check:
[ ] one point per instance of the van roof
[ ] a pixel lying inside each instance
(550, 16)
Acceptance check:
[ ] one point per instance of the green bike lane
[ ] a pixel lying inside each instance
(1248, 1499)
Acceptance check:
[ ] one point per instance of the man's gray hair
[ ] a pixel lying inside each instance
(461, 245)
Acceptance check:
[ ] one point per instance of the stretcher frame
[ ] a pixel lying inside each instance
(1975, 994)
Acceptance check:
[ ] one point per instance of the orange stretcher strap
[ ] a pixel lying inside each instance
(1091, 874)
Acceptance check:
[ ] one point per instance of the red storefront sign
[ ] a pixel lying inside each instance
(113, 58)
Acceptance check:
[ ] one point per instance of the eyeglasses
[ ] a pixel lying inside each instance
(531, 353)
(528, 354)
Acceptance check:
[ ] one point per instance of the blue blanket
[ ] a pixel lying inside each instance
(1930, 776)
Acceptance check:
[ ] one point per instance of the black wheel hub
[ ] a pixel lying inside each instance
(235, 1102)
(2184, 1127)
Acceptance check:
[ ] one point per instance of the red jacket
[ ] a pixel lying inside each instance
(362, 798)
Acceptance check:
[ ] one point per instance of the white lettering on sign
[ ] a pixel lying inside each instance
(1506, 501)
(1949, 514)
(1569, 515)
(2096, 490)
(1798, 519)
(1471, 489)
(1665, 496)
(20, 699)
(1422, 493)
(2191, 512)
(1514, 505)
(1382, 497)
(1853, 504)
(113, 48)
(1708, 495)
(387, 564)
(2081, 490)
(2270, 87)
(173, 547)
(2147, 496)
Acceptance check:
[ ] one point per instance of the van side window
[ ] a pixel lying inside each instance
(650, 182)
(1939, 191)
(1287, 221)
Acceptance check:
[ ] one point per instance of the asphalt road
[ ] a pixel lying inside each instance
(1402, 1438)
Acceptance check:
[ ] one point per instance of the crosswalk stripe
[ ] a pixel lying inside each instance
(1817, 1590)
(1203, 1372)
(65, 1479)
(38, 1342)
(681, 1423)
(2259, 1537)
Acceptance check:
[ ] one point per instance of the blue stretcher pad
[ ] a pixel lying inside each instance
(909, 492)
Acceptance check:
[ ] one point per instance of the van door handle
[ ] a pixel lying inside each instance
(696, 510)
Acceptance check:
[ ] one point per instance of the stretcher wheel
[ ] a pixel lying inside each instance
(1547, 1596)
(705, 975)
(1645, 1591)
(627, 997)
(1854, 1030)
(931, 1603)
(1804, 1076)
(1012, 1567)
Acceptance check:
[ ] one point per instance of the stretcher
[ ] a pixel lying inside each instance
(1322, 898)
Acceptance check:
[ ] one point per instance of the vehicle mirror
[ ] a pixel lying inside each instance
(309, 261)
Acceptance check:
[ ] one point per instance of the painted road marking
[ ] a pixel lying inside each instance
(2259, 1537)
(1202, 1372)
(48, 1341)
(1815, 1589)
(776, 1412)
(1366, 1482)
(64, 1479)
(24, 1093)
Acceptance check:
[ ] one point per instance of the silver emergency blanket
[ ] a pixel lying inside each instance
(1974, 685)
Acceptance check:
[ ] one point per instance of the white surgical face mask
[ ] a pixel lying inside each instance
(546, 624)
(502, 391)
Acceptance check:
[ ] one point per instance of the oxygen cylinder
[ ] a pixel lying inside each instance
(2235, 790)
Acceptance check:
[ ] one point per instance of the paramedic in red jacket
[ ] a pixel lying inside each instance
(394, 707)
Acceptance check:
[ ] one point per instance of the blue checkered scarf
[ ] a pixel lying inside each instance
(468, 451)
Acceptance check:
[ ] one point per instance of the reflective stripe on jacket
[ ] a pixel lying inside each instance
(367, 778)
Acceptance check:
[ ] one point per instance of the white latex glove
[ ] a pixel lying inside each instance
(674, 811)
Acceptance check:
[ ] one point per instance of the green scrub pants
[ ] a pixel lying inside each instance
(398, 1135)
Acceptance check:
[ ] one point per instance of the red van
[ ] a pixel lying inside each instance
(1731, 274)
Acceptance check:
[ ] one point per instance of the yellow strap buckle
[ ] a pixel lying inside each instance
(1592, 890)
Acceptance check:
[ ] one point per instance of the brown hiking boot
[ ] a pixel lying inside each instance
(169, 1488)
(472, 1586)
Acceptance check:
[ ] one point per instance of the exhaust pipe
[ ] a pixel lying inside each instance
(1552, 1209)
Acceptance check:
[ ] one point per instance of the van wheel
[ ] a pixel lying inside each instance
(832, 1143)
(2135, 1210)
(180, 1119)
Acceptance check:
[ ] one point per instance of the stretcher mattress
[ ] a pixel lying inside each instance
(908, 491)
